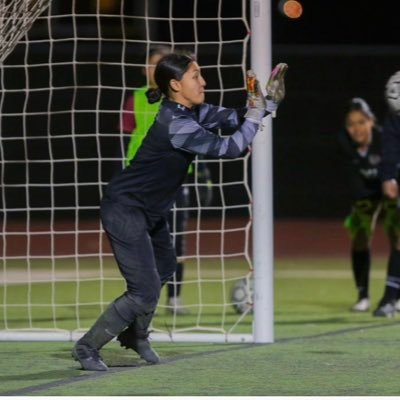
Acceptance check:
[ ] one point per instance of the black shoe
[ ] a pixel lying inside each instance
(89, 359)
(128, 339)
(385, 310)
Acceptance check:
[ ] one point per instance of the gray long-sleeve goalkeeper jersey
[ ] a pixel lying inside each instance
(161, 163)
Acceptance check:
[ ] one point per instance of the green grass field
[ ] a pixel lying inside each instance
(321, 349)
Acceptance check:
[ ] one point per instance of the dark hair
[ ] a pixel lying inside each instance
(153, 95)
(359, 104)
(171, 66)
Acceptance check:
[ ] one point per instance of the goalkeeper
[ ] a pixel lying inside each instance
(136, 202)
(361, 145)
(137, 118)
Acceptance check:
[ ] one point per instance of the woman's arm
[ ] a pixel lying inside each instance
(390, 156)
(186, 134)
(390, 148)
(215, 117)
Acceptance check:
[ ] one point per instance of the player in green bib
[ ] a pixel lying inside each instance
(144, 114)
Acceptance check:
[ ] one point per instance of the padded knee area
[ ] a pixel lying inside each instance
(130, 306)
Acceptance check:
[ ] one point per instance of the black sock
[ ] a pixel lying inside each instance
(174, 288)
(393, 278)
(361, 264)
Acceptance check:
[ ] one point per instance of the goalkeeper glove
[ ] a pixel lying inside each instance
(276, 87)
(255, 100)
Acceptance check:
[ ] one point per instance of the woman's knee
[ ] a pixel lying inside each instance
(132, 304)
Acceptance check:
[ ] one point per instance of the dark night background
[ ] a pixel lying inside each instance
(335, 51)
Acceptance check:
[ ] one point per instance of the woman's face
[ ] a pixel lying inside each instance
(189, 91)
(359, 126)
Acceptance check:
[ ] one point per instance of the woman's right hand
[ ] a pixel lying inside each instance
(390, 188)
(276, 87)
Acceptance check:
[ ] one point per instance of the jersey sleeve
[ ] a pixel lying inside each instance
(187, 134)
(215, 117)
(390, 148)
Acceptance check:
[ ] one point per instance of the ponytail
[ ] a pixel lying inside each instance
(153, 95)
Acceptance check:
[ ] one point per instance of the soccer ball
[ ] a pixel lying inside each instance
(392, 92)
(242, 296)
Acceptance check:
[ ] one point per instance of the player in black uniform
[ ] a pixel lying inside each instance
(389, 171)
(136, 203)
(361, 144)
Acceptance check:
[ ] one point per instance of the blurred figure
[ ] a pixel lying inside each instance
(391, 139)
(138, 113)
(389, 171)
(361, 145)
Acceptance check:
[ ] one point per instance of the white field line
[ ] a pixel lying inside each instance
(18, 276)
(21, 276)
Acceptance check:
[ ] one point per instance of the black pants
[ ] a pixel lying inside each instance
(143, 250)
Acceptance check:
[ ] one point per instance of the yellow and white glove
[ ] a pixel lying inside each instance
(256, 103)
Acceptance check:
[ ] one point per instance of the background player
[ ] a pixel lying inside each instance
(390, 164)
(361, 145)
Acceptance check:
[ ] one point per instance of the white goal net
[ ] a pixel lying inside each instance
(16, 18)
(62, 93)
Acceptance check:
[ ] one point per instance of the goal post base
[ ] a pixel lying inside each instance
(202, 337)
(72, 336)
(28, 335)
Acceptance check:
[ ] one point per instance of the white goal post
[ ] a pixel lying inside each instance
(262, 189)
(63, 86)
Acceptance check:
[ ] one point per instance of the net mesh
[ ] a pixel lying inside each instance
(63, 90)
(16, 18)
